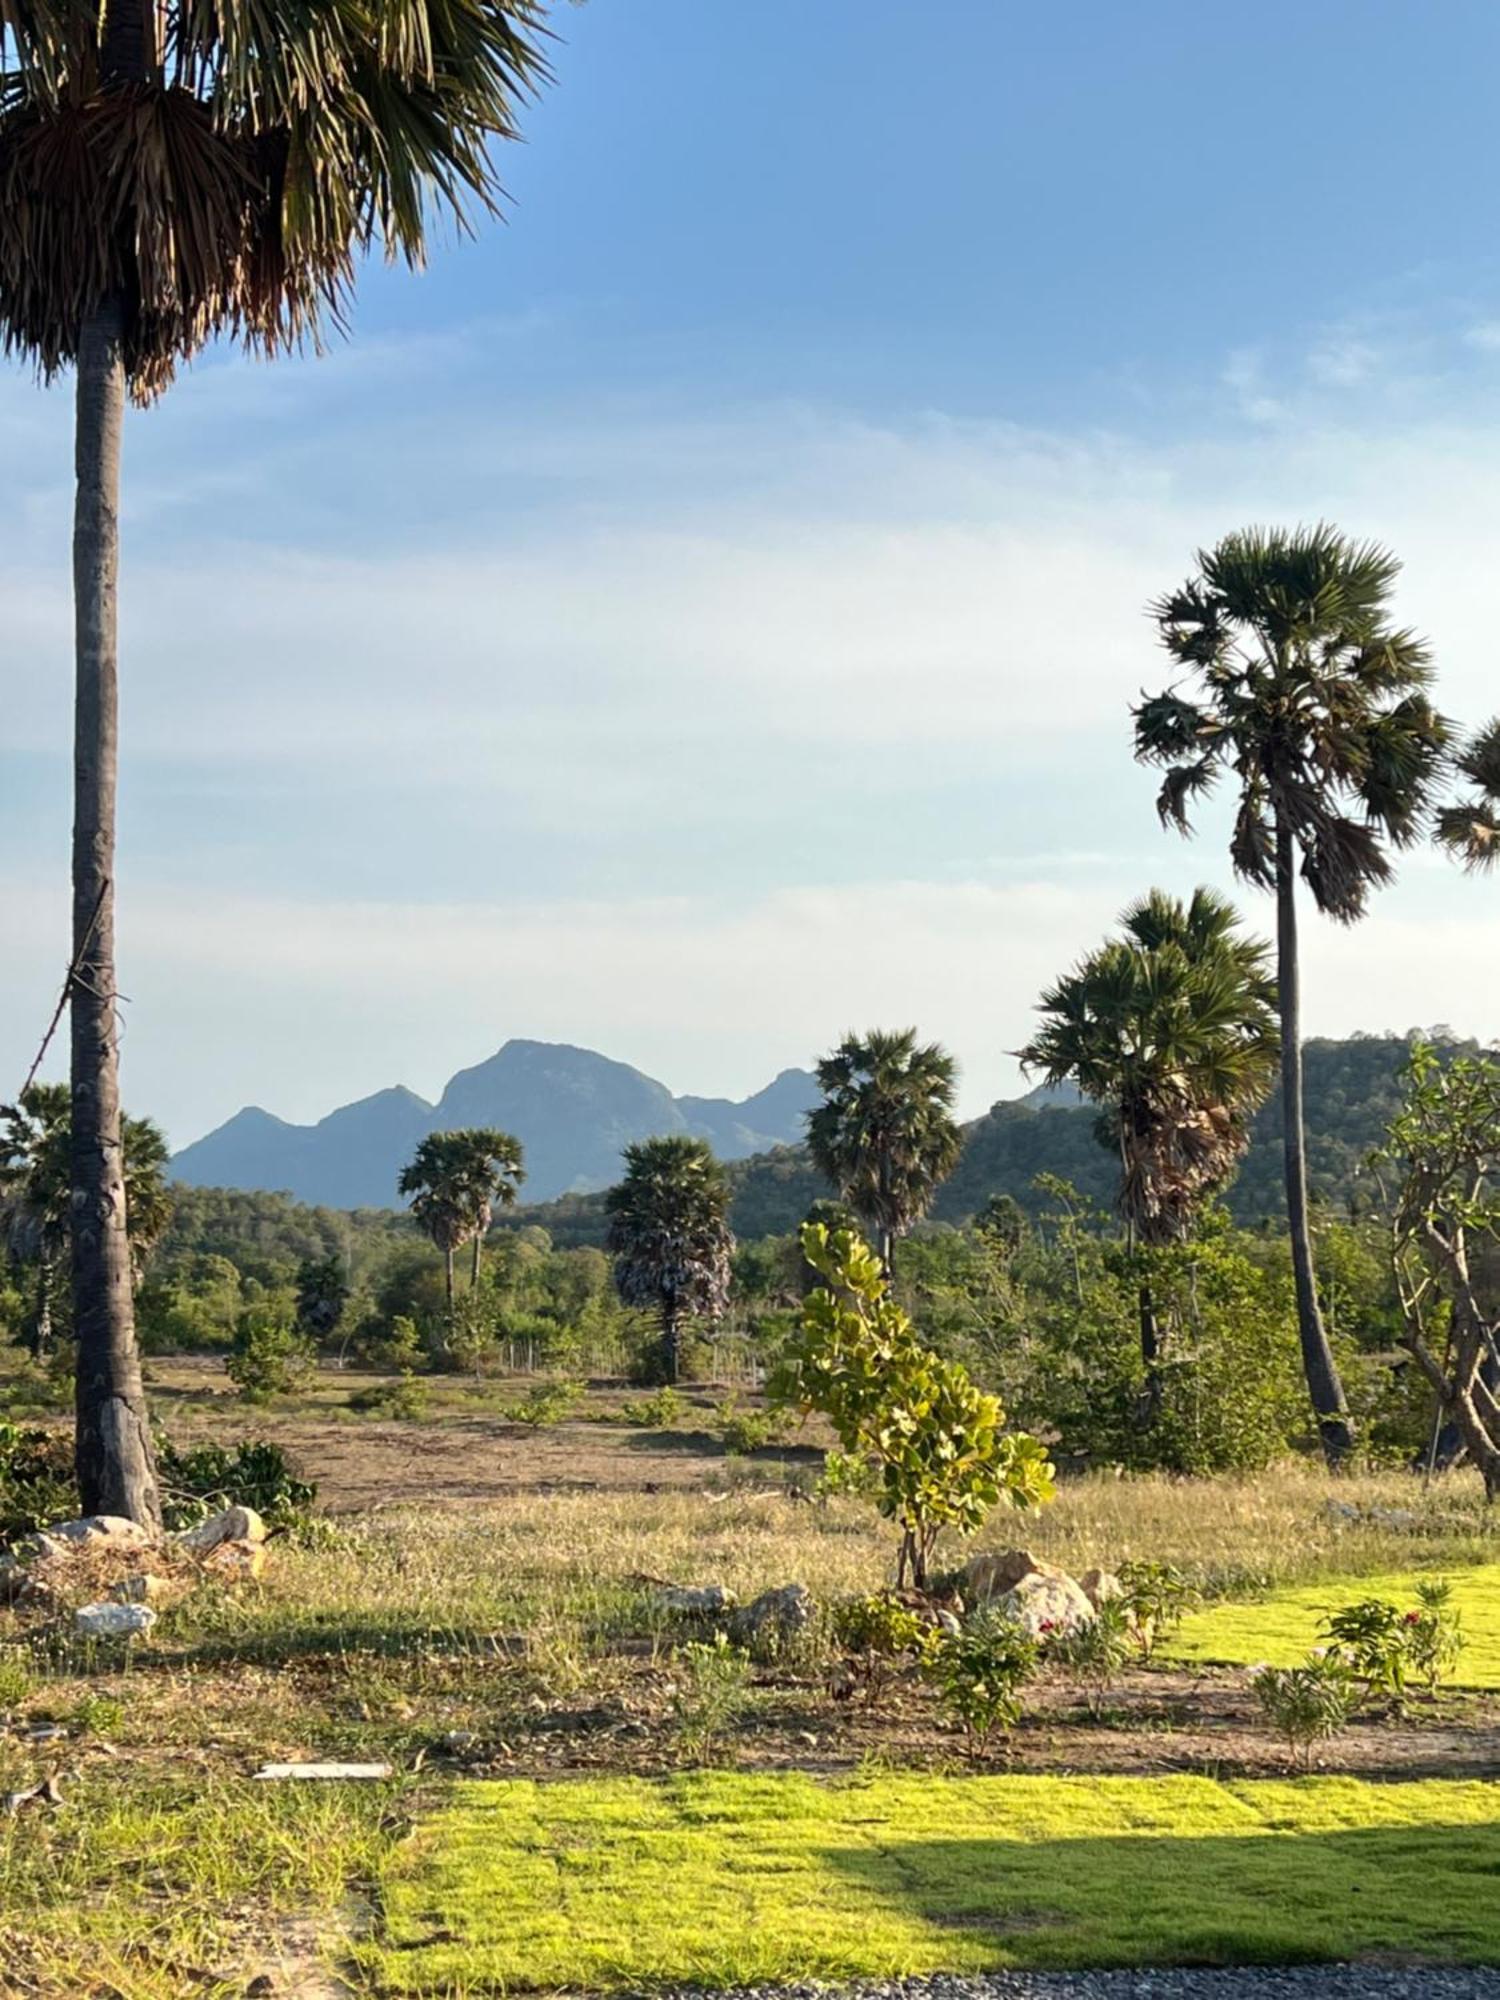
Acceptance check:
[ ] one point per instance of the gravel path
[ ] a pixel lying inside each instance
(1253, 1982)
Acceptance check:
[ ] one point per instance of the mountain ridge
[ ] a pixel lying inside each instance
(573, 1110)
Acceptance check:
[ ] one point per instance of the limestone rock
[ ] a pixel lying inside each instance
(234, 1524)
(987, 1577)
(141, 1588)
(775, 1618)
(113, 1621)
(100, 1531)
(707, 1600)
(1046, 1605)
(237, 1560)
(1101, 1586)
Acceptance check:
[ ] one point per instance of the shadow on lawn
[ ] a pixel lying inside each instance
(1409, 1894)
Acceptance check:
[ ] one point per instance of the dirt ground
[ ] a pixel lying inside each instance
(465, 1450)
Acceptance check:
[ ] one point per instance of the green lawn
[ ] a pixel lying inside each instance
(725, 1879)
(1279, 1629)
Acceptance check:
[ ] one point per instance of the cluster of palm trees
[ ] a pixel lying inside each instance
(455, 1182)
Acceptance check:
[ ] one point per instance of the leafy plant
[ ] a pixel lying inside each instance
(1157, 1597)
(97, 1714)
(878, 1632)
(544, 1404)
(935, 1437)
(208, 1477)
(1305, 1705)
(407, 1400)
(847, 1474)
(710, 1693)
(269, 1356)
(1434, 1634)
(656, 1411)
(16, 1677)
(979, 1674)
(743, 1430)
(36, 1479)
(1371, 1638)
(1094, 1652)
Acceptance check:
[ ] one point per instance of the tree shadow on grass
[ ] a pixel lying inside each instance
(1407, 1894)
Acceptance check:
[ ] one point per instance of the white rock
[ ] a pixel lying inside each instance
(324, 1771)
(703, 1601)
(234, 1524)
(776, 1616)
(1047, 1606)
(113, 1621)
(101, 1531)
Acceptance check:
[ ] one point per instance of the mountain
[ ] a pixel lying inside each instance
(572, 1110)
(1353, 1091)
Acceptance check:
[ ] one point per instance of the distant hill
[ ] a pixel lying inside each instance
(572, 1110)
(1352, 1093)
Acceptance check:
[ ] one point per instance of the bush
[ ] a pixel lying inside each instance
(210, 1477)
(710, 1695)
(1370, 1639)
(544, 1404)
(407, 1400)
(876, 1633)
(744, 1431)
(979, 1675)
(847, 1475)
(269, 1357)
(1305, 1705)
(1434, 1636)
(1157, 1597)
(655, 1412)
(1094, 1652)
(36, 1479)
(936, 1438)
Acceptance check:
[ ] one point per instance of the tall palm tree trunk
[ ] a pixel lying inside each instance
(448, 1278)
(116, 1470)
(1318, 1364)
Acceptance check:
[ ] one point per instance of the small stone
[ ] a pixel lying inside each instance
(461, 1740)
(113, 1621)
(95, 1531)
(233, 1524)
(947, 1621)
(140, 1588)
(1101, 1586)
(775, 1618)
(704, 1601)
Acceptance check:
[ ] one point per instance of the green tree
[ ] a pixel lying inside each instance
(1318, 708)
(1172, 1031)
(885, 1134)
(1444, 1150)
(169, 173)
(1470, 827)
(322, 1293)
(669, 1237)
(935, 1439)
(35, 1140)
(453, 1182)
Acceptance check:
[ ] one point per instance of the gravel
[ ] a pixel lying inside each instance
(1256, 1982)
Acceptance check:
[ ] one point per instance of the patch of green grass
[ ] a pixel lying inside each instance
(723, 1879)
(1278, 1630)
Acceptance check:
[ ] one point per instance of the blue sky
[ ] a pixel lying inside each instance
(701, 614)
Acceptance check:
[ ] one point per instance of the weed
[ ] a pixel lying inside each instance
(1094, 1653)
(1306, 1705)
(545, 1404)
(710, 1694)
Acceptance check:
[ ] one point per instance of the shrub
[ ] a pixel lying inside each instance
(36, 1479)
(1305, 1705)
(655, 1412)
(935, 1437)
(209, 1477)
(1157, 1597)
(710, 1695)
(876, 1633)
(1434, 1636)
(396, 1347)
(744, 1431)
(545, 1403)
(407, 1400)
(96, 1714)
(1371, 1639)
(269, 1357)
(979, 1675)
(849, 1475)
(16, 1677)
(1093, 1653)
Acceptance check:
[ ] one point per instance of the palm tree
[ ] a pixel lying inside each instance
(436, 1183)
(669, 1236)
(1172, 1031)
(1318, 708)
(492, 1170)
(35, 1212)
(1470, 828)
(885, 1133)
(170, 172)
